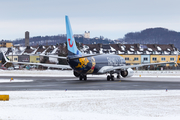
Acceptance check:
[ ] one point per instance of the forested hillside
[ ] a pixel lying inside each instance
(53, 40)
(147, 36)
(154, 36)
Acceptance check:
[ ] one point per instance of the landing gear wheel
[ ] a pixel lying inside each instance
(108, 78)
(85, 77)
(118, 76)
(112, 77)
(80, 77)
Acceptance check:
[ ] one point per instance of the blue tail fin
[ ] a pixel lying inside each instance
(71, 44)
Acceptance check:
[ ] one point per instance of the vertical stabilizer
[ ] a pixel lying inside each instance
(71, 44)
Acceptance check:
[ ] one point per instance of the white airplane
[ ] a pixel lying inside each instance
(84, 64)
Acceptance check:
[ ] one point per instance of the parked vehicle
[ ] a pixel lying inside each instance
(4, 68)
(10, 68)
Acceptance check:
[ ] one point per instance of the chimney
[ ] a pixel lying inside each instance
(172, 45)
(137, 45)
(40, 47)
(155, 45)
(100, 45)
(28, 47)
(119, 45)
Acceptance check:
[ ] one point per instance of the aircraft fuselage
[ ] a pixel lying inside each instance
(92, 65)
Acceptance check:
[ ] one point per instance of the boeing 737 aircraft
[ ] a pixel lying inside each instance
(84, 64)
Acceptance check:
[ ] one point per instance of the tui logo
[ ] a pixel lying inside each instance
(70, 43)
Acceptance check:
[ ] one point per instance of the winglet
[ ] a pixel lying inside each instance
(5, 57)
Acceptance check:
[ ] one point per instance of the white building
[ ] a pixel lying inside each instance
(87, 34)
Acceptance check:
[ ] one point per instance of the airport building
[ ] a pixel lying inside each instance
(87, 34)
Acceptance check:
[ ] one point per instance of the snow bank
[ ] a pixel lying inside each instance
(50, 73)
(91, 105)
(10, 81)
(69, 73)
(165, 73)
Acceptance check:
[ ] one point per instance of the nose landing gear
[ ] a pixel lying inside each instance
(111, 77)
(81, 77)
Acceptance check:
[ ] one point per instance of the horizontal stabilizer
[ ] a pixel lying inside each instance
(83, 56)
(51, 56)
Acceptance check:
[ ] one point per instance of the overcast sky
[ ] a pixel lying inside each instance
(109, 18)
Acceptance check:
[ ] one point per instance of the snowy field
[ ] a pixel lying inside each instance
(91, 105)
(50, 73)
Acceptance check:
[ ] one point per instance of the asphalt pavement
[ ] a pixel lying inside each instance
(93, 83)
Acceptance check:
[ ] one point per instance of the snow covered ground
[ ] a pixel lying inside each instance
(68, 73)
(158, 73)
(10, 81)
(50, 73)
(91, 105)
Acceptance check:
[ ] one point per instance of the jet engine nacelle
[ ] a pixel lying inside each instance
(127, 73)
(76, 74)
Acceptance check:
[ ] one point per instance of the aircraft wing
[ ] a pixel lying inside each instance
(133, 66)
(83, 56)
(52, 56)
(140, 65)
(45, 65)
(42, 64)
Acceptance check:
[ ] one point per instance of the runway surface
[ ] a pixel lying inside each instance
(34, 83)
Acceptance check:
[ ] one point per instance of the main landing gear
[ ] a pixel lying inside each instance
(118, 76)
(111, 77)
(83, 77)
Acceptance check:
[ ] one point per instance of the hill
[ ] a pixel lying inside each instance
(154, 36)
(57, 39)
(147, 36)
